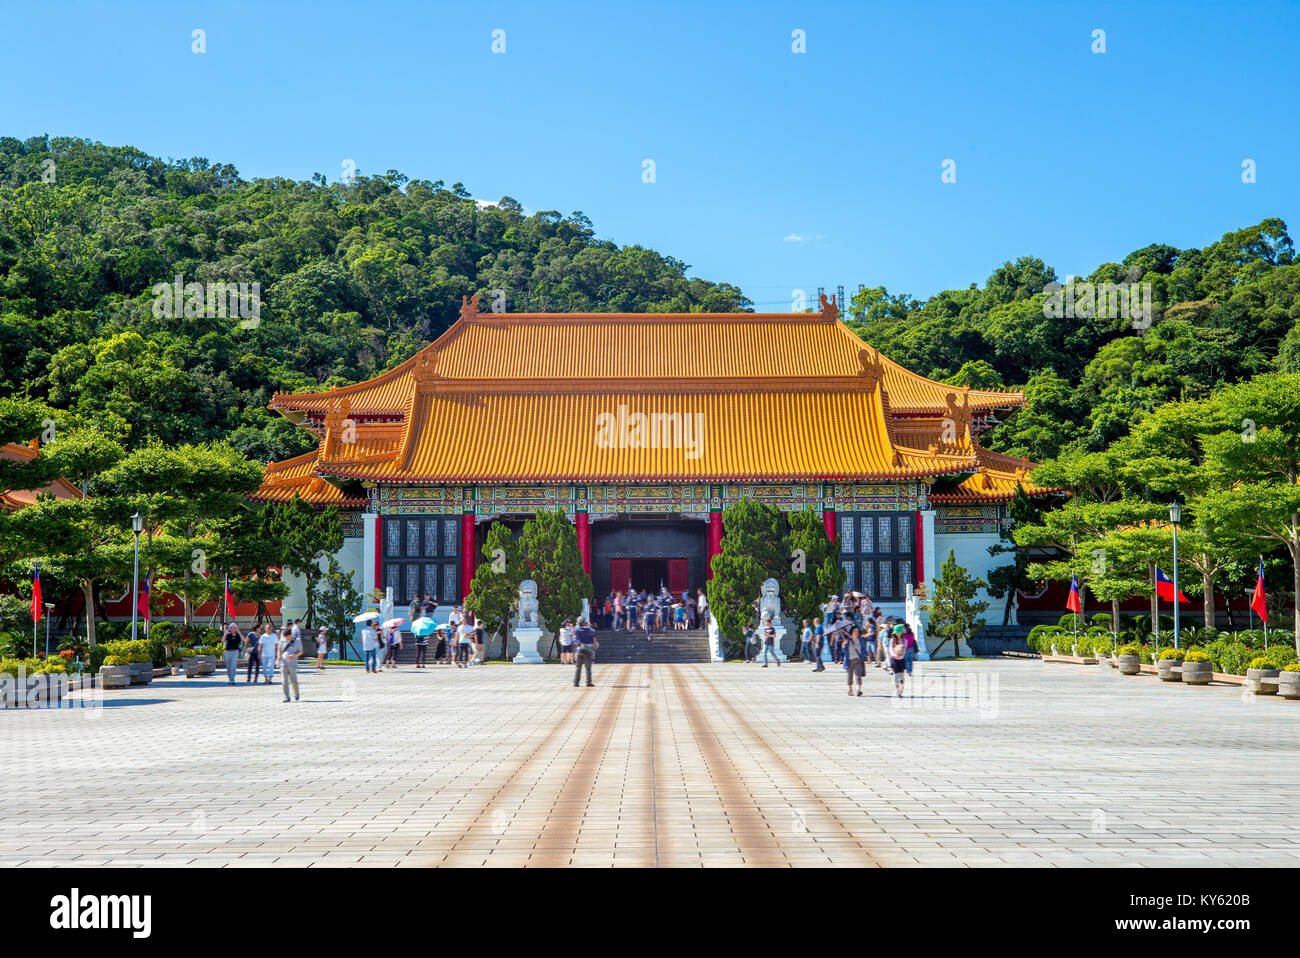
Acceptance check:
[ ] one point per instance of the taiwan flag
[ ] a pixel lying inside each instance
(1165, 587)
(37, 607)
(1257, 600)
(230, 601)
(142, 603)
(1073, 603)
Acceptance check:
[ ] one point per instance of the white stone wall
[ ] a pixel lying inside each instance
(972, 552)
(351, 557)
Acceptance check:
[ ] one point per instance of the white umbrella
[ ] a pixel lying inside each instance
(364, 616)
(393, 623)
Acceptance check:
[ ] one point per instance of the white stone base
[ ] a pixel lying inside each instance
(529, 638)
(715, 642)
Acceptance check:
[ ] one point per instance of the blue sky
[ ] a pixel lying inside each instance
(773, 170)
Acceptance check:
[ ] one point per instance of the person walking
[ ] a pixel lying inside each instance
(266, 652)
(855, 658)
(819, 643)
(288, 652)
(440, 652)
(370, 646)
(869, 638)
(898, 660)
(234, 640)
(805, 642)
(322, 647)
(254, 655)
(479, 642)
(702, 604)
(910, 640)
(421, 649)
(584, 641)
(464, 639)
(769, 642)
(394, 642)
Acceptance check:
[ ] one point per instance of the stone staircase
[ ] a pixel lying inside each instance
(684, 646)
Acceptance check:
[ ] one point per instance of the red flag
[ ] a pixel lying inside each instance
(1073, 603)
(1165, 587)
(37, 607)
(142, 603)
(230, 601)
(1257, 601)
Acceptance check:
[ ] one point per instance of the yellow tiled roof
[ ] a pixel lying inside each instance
(525, 397)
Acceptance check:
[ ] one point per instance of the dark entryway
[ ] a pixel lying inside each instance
(651, 552)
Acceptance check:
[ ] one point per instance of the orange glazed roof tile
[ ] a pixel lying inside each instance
(14, 499)
(297, 476)
(541, 348)
(996, 479)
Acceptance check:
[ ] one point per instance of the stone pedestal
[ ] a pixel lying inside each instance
(777, 652)
(715, 642)
(529, 639)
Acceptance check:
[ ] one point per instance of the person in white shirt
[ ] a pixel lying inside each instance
(702, 605)
(566, 643)
(464, 642)
(267, 642)
(370, 645)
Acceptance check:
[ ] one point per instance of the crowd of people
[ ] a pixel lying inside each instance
(662, 611)
(267, 649)
(460, 641)
(856, 635)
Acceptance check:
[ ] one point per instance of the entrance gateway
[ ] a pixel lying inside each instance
(498, 419)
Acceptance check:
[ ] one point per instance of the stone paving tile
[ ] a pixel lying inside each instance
(986, 764)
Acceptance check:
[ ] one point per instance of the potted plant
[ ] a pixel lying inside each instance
(207, 661)
(1129, 660)
(1168, 664)
(1288, 685)
(1261, 667)
(190, 662)
(115, 673)
(1197, 668)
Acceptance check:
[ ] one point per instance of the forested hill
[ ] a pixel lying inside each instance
(353, 279)
(1218, 315)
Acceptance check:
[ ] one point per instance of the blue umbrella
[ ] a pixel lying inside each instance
(424, 626)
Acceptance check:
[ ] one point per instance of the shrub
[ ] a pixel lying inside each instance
(52, 667)
(1100, 620)
(1260, 662)
(97, 655)
(1170, 654)
(1196, 655)
(117, 660)
(1280, 655)
(1129, 650)
(1234, 658)
(1293, 667)
(1068, 620)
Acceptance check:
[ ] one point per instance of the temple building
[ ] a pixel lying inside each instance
(644, 428)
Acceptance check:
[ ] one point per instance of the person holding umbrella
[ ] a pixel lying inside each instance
(322, 647)
(393, 640)
(422, 628)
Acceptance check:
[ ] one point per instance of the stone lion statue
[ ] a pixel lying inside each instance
(528, 602)
(769, 603)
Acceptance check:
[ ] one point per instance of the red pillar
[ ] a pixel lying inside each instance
(715, 539)
(828, 519)
(920, 549)
(467, 551)
(584, 541)
(379, 553)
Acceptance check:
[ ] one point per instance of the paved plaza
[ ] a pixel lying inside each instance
(994, 763)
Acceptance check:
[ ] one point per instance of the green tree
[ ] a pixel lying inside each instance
(813, 571)
(307, 535)
(338, 602)
(548, 547)
(753, 550)
(953, 609)
(494, 589)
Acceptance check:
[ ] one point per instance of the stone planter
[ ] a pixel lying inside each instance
(1165, 670)
(115, 676)
(191, 666)
(1289, 685)
(207, 665)
(1198, 673)
(1253, 683)
(1130, 664)
(141, 673)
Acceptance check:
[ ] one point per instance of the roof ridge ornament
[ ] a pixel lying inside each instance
(828, 308)
(873, 368)
(469, 306)
(425, 370)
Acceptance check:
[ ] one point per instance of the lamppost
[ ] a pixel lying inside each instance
(137, 526)
(49, 610)
(1175, 516)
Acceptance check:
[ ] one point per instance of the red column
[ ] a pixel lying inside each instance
(379, 553)
(715, 539)
(584, 541)
(467, 550)
(920, 549)
(828, 518)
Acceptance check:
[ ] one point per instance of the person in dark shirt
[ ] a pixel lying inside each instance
(584, 644)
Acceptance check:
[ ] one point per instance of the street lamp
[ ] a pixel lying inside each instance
(1175, 516)
(137, 526)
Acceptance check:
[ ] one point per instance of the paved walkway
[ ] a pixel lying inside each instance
(994, 763)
